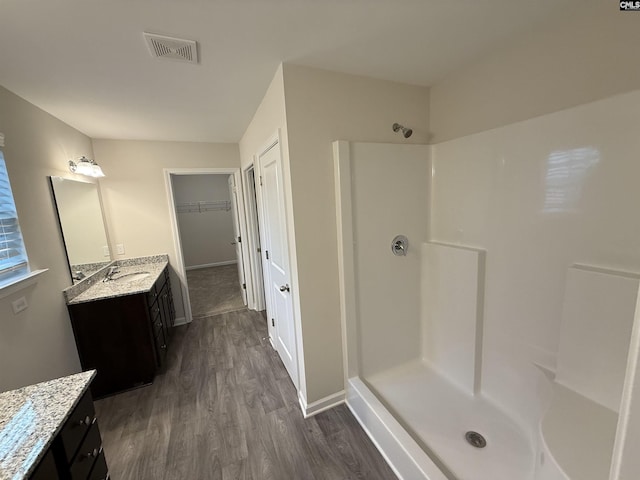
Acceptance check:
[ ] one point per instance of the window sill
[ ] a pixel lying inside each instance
(16, 284)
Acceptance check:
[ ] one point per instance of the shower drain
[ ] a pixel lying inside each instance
(475, 439)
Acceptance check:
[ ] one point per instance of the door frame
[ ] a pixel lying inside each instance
(234, 194)
(257, 301)
(173, 218)
(271, 142)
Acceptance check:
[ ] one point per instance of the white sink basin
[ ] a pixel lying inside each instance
(131, 277)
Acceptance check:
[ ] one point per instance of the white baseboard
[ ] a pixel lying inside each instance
(207, 265)
(320, 405)
(180, 321)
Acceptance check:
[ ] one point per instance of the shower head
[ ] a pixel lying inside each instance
(406, 132)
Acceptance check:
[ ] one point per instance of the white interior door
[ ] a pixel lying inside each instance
(233, 193)
(276, 260)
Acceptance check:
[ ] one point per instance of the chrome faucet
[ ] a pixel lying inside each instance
(112, 271)
(78, 275)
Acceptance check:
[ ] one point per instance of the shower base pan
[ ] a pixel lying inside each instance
(419, 422)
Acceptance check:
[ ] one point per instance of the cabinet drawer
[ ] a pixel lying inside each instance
(157, 324)
(161, 347)
(154, 292)
(77, 425)
(99, 470)
(89, 451)
(154, 310)
(152, 295)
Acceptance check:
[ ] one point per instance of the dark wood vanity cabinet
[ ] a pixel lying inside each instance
(124, 338)
(46, 469)
(76, 452)
(162, 315)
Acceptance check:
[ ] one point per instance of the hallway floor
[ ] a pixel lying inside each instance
(225, 409)
(214, 290)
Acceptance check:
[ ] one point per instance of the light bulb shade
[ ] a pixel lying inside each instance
(86, 167)
(97, 171)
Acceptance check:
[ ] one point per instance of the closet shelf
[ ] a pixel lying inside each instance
(201, 207)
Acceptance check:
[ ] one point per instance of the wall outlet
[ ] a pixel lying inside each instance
(105, 251)
(19, 305)
(120, 249)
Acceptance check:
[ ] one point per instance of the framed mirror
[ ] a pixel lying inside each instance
(82, 224)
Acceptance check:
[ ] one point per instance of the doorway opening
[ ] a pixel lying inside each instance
(207, 216)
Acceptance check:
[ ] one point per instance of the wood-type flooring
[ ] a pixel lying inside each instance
(225, 409)
(214, 290)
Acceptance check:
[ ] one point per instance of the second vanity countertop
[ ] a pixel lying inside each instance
(96, 289)
(30, 418)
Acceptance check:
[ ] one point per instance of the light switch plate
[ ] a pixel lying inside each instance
(120, 249)
(19, 305)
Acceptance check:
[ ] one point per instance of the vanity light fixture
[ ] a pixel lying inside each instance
(86, 167)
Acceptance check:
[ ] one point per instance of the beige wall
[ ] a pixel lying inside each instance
(207, 235)
(321, 107)
(270, 119)
(37, 344)
(575, 60)
(135, 197)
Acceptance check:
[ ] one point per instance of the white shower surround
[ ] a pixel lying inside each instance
(538, 196)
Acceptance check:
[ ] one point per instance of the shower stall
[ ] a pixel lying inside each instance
(496, 341)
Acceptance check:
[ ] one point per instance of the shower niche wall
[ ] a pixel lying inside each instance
(513, 311)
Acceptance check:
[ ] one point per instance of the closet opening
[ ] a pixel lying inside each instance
(209, 225)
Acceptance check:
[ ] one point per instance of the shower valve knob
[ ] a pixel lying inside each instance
(399, 245)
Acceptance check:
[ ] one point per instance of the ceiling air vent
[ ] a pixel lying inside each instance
(161, 46)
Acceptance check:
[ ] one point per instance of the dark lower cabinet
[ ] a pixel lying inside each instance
(76, 452)
(99, 470)
(46, 469)
(124, 338)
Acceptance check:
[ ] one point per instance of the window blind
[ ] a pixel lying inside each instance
(13, 256)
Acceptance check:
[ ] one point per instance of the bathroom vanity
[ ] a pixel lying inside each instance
(49, 431)
(122, 326)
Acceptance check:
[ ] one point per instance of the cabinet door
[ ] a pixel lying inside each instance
(114, 336)
(46, 469)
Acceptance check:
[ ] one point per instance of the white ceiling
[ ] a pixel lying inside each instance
(85, 61)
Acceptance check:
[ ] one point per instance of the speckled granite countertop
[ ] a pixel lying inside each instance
(93, 288)
(31, 417)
